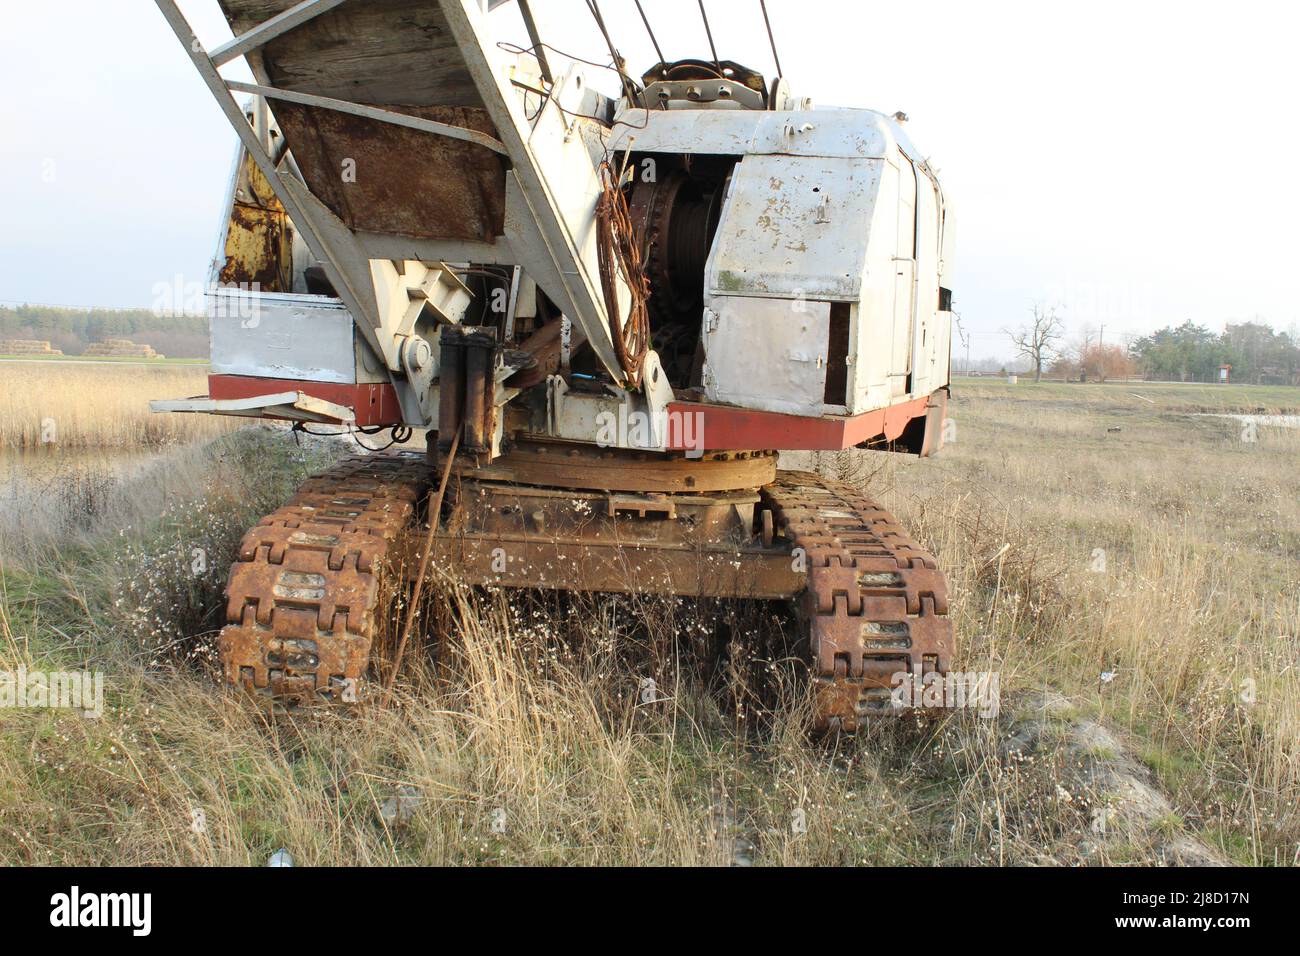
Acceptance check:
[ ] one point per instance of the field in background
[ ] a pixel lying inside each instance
(107, 359)
(1166, 396)
(1129, 568)
(49, 405)
(72, 331)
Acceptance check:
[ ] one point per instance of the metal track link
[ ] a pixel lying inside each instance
(875, 605)
(302, 596)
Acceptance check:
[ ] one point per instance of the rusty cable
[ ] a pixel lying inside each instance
(435, 516)
(619, 249)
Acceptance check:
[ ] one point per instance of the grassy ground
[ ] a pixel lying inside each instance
(1166, 396)
(107, 359)
(1164, 555)
(45, 404)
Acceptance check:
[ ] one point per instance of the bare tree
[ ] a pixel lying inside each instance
(1037, 340)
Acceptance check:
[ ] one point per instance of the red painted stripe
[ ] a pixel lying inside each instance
(372, 404)
(724, 428)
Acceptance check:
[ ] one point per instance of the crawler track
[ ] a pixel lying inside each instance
(303, 598)
(875, 604)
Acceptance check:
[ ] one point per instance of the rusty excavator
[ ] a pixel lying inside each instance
(606, 311)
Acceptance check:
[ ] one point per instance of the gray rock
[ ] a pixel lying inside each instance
(1135, 810)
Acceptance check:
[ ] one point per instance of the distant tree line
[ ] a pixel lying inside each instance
(1095, 362)
(1192, 353)
(72, 330)
(1189, 352)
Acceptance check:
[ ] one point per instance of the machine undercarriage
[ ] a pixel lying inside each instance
(306, 595)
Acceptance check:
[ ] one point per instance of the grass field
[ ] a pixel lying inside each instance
(47, 404)
(1165, 396)
(1130, 570)
(105, 359)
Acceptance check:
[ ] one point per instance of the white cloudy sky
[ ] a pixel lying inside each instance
(1130, 161)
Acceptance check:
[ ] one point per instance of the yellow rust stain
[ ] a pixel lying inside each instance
(258, 246)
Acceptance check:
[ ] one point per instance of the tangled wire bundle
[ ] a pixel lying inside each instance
(620, 252)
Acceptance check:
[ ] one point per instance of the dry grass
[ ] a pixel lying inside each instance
(1166, 396)
(98, 405)
(530, 741)
(1195, 610)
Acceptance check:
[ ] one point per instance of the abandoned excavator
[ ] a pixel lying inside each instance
(608, 311)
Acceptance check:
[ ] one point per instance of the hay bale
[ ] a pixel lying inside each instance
(27, 347)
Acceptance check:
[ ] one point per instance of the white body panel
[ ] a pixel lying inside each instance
(784, 225)
(825, 206)
(302, 337)
(767, 353)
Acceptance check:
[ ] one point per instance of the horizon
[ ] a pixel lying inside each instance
(1109, 194)
(1070, 342)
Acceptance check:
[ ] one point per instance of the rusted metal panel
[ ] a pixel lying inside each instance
(719, 520)
(786, 373)
(611, 569)
(569, 465)
(397, 55)
(382, 178)
(258, 249)
(377, 51)
(699, 545)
